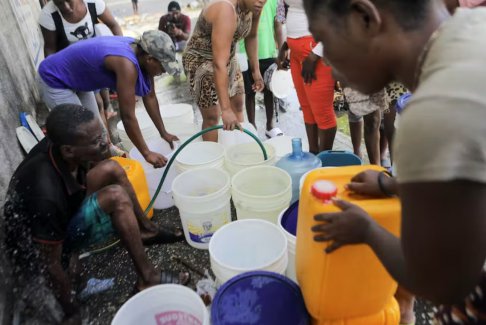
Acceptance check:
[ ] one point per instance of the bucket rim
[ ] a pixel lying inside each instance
(205, 143)
(238, 269)
(270, 149)
(147, 291)
(279, 223)
(219, 192)
(249, 169)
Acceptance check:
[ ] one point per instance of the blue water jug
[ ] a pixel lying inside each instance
(297, 164)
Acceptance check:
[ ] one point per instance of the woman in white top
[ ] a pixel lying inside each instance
(312, 79)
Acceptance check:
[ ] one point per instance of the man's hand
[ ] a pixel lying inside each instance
(170, 138)
(309, 68)
(283, 60)
(176, 32)
(230, 122)
(155, 159)
(366, 183)
(351, 226)
(258, 84)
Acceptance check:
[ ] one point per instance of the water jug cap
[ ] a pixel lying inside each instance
(324, 190)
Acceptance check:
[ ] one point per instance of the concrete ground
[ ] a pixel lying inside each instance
(100, 309)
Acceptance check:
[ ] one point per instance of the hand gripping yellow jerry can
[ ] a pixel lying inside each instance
(350, 285)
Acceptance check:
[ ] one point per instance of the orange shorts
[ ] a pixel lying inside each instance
(316, 99)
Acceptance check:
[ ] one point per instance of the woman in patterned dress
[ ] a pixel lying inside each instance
(210, 64)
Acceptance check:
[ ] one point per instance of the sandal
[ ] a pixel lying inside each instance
(275, 132)
(165, 237)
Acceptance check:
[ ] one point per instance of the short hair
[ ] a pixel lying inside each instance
(173, 5)
(410, 14)
(63, 123)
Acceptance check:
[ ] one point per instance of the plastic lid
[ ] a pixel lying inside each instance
(324, 190)
(259, 297)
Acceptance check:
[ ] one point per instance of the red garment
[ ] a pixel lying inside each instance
(183, 23)
(316, 99)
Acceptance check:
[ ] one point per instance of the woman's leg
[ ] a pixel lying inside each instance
(356, 130)
(237, 105)
(372, 136)
(210, 118)
(389, 123)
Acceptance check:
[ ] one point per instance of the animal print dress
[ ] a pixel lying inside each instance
(198, 59)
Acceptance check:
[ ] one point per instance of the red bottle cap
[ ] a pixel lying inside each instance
(324, 190)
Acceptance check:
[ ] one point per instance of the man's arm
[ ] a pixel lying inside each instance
(163, 24)
(152, 106)
(251, 47)
(59, 279)
(279, 39)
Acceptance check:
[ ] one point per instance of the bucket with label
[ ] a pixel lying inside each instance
(165, 304)
(259, 297)
(244, 155)
(287, 221)
(153, 175)
(197, 155)
(261, 192)
(247, 245)
(278, 81)
(203, 199)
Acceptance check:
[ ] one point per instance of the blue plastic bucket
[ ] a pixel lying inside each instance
(259, 297)
(289, 218)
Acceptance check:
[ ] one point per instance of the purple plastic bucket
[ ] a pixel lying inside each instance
(259, 297)
(289, 218)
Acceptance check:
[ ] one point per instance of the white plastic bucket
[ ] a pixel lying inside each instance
(231, 138)
(203, 198)
(204, 154)
(147, 127)
(283, 145)
(278, 81)
(261, 192)
(244, 155)
(247, 245)
(164, 304)
(291, 242)
(176, 114)
(164, 200)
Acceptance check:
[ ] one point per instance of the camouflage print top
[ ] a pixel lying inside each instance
(200, 44)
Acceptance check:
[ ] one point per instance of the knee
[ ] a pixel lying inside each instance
(372, 124)
(211, 118)
(238, 104)
(112, 170)
(116, 197)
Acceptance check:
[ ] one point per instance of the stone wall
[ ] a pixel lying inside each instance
(19, 52)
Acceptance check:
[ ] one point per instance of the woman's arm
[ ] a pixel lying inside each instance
(223, 19)
(50, 41)
(107, 18)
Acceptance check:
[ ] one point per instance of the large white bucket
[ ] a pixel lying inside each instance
(204, 154)
(164, 304)
(244, 155)
(283, 145)
(203, 198)
(261, 192)
(231, 138)
(247, 245)
(176, 114)
(164, 200)
(147, 127)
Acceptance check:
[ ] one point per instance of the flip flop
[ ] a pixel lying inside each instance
(164, 237)
(169, 277)
(275, 132)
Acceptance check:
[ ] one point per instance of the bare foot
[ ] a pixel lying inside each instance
(110, 115)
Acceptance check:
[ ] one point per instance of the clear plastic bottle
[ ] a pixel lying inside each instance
(297, 164)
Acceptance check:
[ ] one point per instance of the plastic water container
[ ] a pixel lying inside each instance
(165, 304)
(261, 192)
(350, 285)
(259, 297)
(231, 138)
(247, 245)
(136, 176)
(203, 198)
(278, 81)
(244, 155)
(283, 145)
(204, 154)
(153, 175)
(297, 164)
(287, 221)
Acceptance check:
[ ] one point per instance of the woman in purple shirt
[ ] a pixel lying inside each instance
(120, 63)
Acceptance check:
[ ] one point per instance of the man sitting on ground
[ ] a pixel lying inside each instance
(55, 208)
(177, 25)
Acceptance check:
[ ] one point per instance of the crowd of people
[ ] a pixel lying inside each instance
(67, 195)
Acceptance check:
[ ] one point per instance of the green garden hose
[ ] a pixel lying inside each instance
(164, 175)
